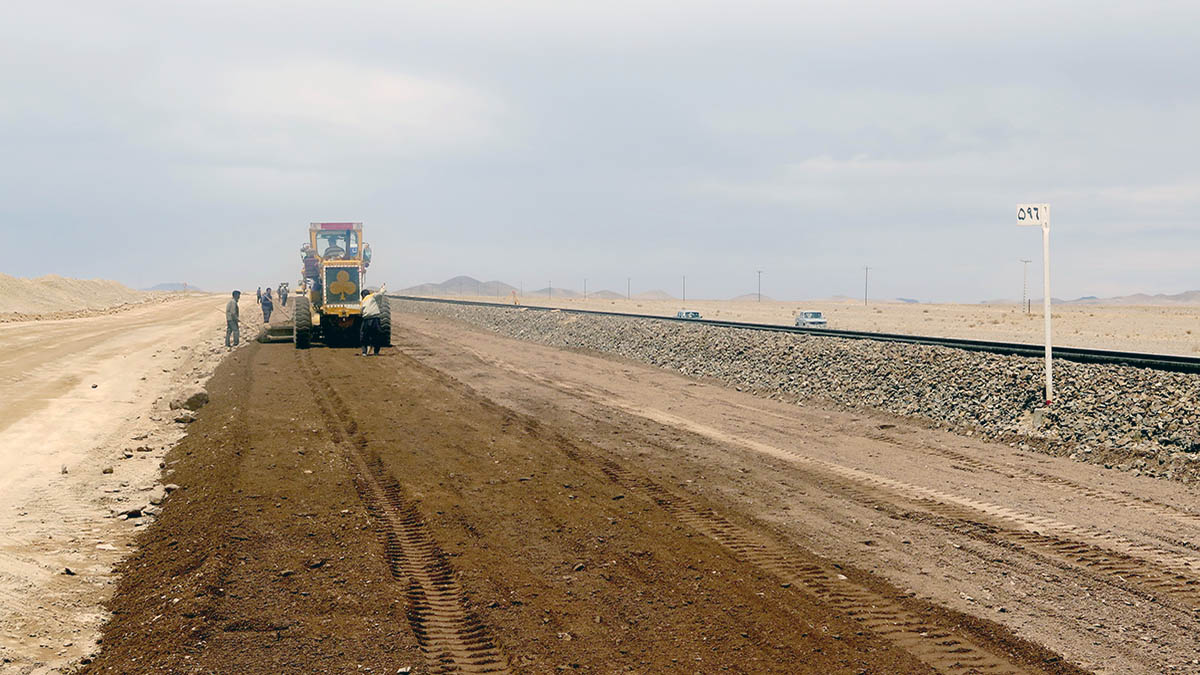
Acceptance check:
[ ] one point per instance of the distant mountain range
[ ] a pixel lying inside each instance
(173, 286)
(1185, 298)
(465, 286)
(461, 286)
(750, 297)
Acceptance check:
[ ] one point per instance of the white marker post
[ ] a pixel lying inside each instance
(1035, 215)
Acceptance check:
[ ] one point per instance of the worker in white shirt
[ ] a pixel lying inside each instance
(370, 334)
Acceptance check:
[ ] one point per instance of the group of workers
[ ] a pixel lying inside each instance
(268, 303)
(370, 334)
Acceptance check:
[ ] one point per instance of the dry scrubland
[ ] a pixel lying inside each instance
(1169, 330)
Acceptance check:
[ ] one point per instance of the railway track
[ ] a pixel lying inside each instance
(1167, 362)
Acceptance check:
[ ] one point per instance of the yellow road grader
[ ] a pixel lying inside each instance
(328, 305)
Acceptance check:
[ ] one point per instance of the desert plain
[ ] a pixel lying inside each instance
(473, 502)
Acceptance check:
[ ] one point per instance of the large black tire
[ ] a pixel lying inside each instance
(302, 322)
(385, 320)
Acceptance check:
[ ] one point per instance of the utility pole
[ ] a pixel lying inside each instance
(585, 288)
(866, 282)
(1025, 285)
(550, 289)
(759, 285)
(628, 286)
(685, 289)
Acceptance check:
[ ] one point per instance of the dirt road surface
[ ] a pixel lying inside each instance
(471, 503)
(81, 397)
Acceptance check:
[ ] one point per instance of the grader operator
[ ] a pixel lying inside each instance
(328, 304)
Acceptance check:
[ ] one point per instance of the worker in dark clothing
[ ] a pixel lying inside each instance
(258, 297)
(267, 305)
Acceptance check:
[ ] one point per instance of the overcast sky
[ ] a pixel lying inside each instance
(552, 141)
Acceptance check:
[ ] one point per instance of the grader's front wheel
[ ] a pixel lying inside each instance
(302, 322)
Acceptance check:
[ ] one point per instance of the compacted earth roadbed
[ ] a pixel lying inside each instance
(469, 503)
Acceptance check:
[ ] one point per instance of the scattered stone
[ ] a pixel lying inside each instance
(106, 470)
(170, 487)
(185, 417)
(192, 400)
(68, 571)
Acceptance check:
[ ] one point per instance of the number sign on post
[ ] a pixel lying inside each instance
(1033, 214)
(1039, 215)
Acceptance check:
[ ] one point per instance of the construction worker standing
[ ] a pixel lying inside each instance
(267, 305)
(370, 334)
(231, 320)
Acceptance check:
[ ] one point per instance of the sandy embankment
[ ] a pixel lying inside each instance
(1168, 330)
(83, 397)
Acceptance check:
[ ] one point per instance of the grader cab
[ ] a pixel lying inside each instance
(328, 306)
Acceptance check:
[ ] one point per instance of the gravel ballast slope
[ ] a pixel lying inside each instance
(1129, 418)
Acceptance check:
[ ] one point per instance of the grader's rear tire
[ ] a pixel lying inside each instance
(385, 321)
(302, 322)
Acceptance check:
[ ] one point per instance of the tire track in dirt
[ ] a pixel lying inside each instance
(450, 634)
(1128, 501)
(944, 649)
(1111, 558)
(1122, 571)
(1122, 499)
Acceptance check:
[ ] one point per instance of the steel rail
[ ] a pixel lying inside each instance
(1168, 362)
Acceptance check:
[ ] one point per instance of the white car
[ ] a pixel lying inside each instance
(811, 319)
(687, 314)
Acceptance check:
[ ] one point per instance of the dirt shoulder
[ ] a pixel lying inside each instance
(339, 513)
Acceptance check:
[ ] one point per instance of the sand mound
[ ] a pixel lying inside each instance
(53, 293)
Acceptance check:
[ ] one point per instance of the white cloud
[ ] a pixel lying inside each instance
(312, 113)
